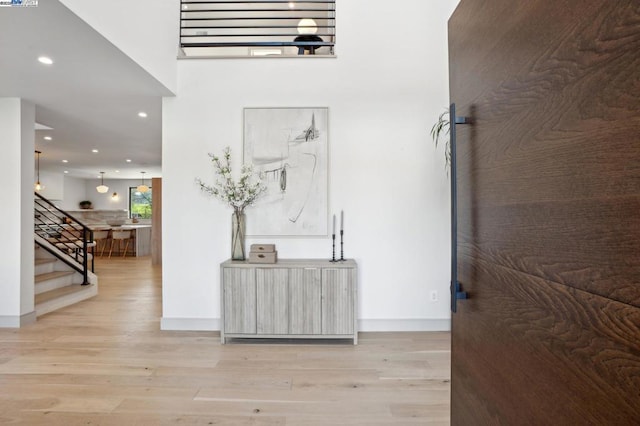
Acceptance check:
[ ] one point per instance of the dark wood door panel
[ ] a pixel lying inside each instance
(593, 245)
(549, 212)
(543, 161)
(512, 55)
(549, 172)
(528, 351)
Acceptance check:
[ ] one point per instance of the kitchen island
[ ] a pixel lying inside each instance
(140, 245)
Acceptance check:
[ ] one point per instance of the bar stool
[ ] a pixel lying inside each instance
(99, 236)
(120, 235)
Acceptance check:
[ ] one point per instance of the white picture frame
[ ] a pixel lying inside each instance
(290, 147)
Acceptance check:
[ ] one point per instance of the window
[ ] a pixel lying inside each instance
(140, 203)
(257, 28)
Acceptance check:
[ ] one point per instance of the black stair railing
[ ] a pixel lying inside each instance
(309, 26)
(69, 239)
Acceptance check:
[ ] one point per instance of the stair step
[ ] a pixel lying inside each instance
(57, 285)
(51, 275)
(56, 279)
(61, 297)
(44, 266)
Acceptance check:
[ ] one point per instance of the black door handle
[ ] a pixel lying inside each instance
(456, 287)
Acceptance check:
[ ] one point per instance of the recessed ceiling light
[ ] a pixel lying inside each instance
(95, 151)
(117, 171)
(65, 161)
(66, 171)
(45, 60)
(142, 114)
(128, 160)
(47, 138)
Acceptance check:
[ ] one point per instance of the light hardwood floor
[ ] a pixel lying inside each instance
(106, 362)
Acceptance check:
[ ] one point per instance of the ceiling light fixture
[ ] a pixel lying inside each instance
(48, 138)
(102, 188)
(142, 187)
(142, 114)
(65, 161)
(38, 186)
(45, 60)
(95, 151)
(307, 26)
(128, 160)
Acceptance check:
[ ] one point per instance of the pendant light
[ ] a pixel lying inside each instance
(142, 187)
(38, 186)
(102, 188)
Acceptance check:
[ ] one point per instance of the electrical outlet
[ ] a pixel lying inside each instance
(434, 296)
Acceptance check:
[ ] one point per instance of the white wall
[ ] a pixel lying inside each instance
(384, 91)
(53, 185)
(104, 201)
(145, 30)
(17, 118)
(76, 190)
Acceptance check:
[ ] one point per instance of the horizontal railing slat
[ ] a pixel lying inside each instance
(232, 24)
(255, 44)
(245, 35)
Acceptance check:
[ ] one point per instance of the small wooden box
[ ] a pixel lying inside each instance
(271, 257)
(263, 248)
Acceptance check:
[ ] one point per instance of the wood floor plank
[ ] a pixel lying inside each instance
(105, 361)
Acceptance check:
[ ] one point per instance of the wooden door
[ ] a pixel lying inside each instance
(549, 212)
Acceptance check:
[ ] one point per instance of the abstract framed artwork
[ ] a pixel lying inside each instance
(290, 147)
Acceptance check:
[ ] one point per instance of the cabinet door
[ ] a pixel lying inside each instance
(337, 301)
(239, 300)
(272, 301)
(305, 301)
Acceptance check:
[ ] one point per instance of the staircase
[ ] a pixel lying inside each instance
(63, 259)
(57, 285)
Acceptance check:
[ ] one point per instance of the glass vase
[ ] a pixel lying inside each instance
(237, 236)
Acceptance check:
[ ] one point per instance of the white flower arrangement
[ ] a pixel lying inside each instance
(240, 194)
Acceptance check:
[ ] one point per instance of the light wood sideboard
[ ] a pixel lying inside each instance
(293, 298)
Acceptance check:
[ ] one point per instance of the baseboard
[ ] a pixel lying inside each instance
(27, 319)
(371, 325)
(14, 321)
(404, 324)
(190, 324)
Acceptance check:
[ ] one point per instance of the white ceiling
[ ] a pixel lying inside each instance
(90, 96)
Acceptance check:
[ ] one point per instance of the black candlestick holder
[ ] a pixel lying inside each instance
(342, 259)
(333, 255)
